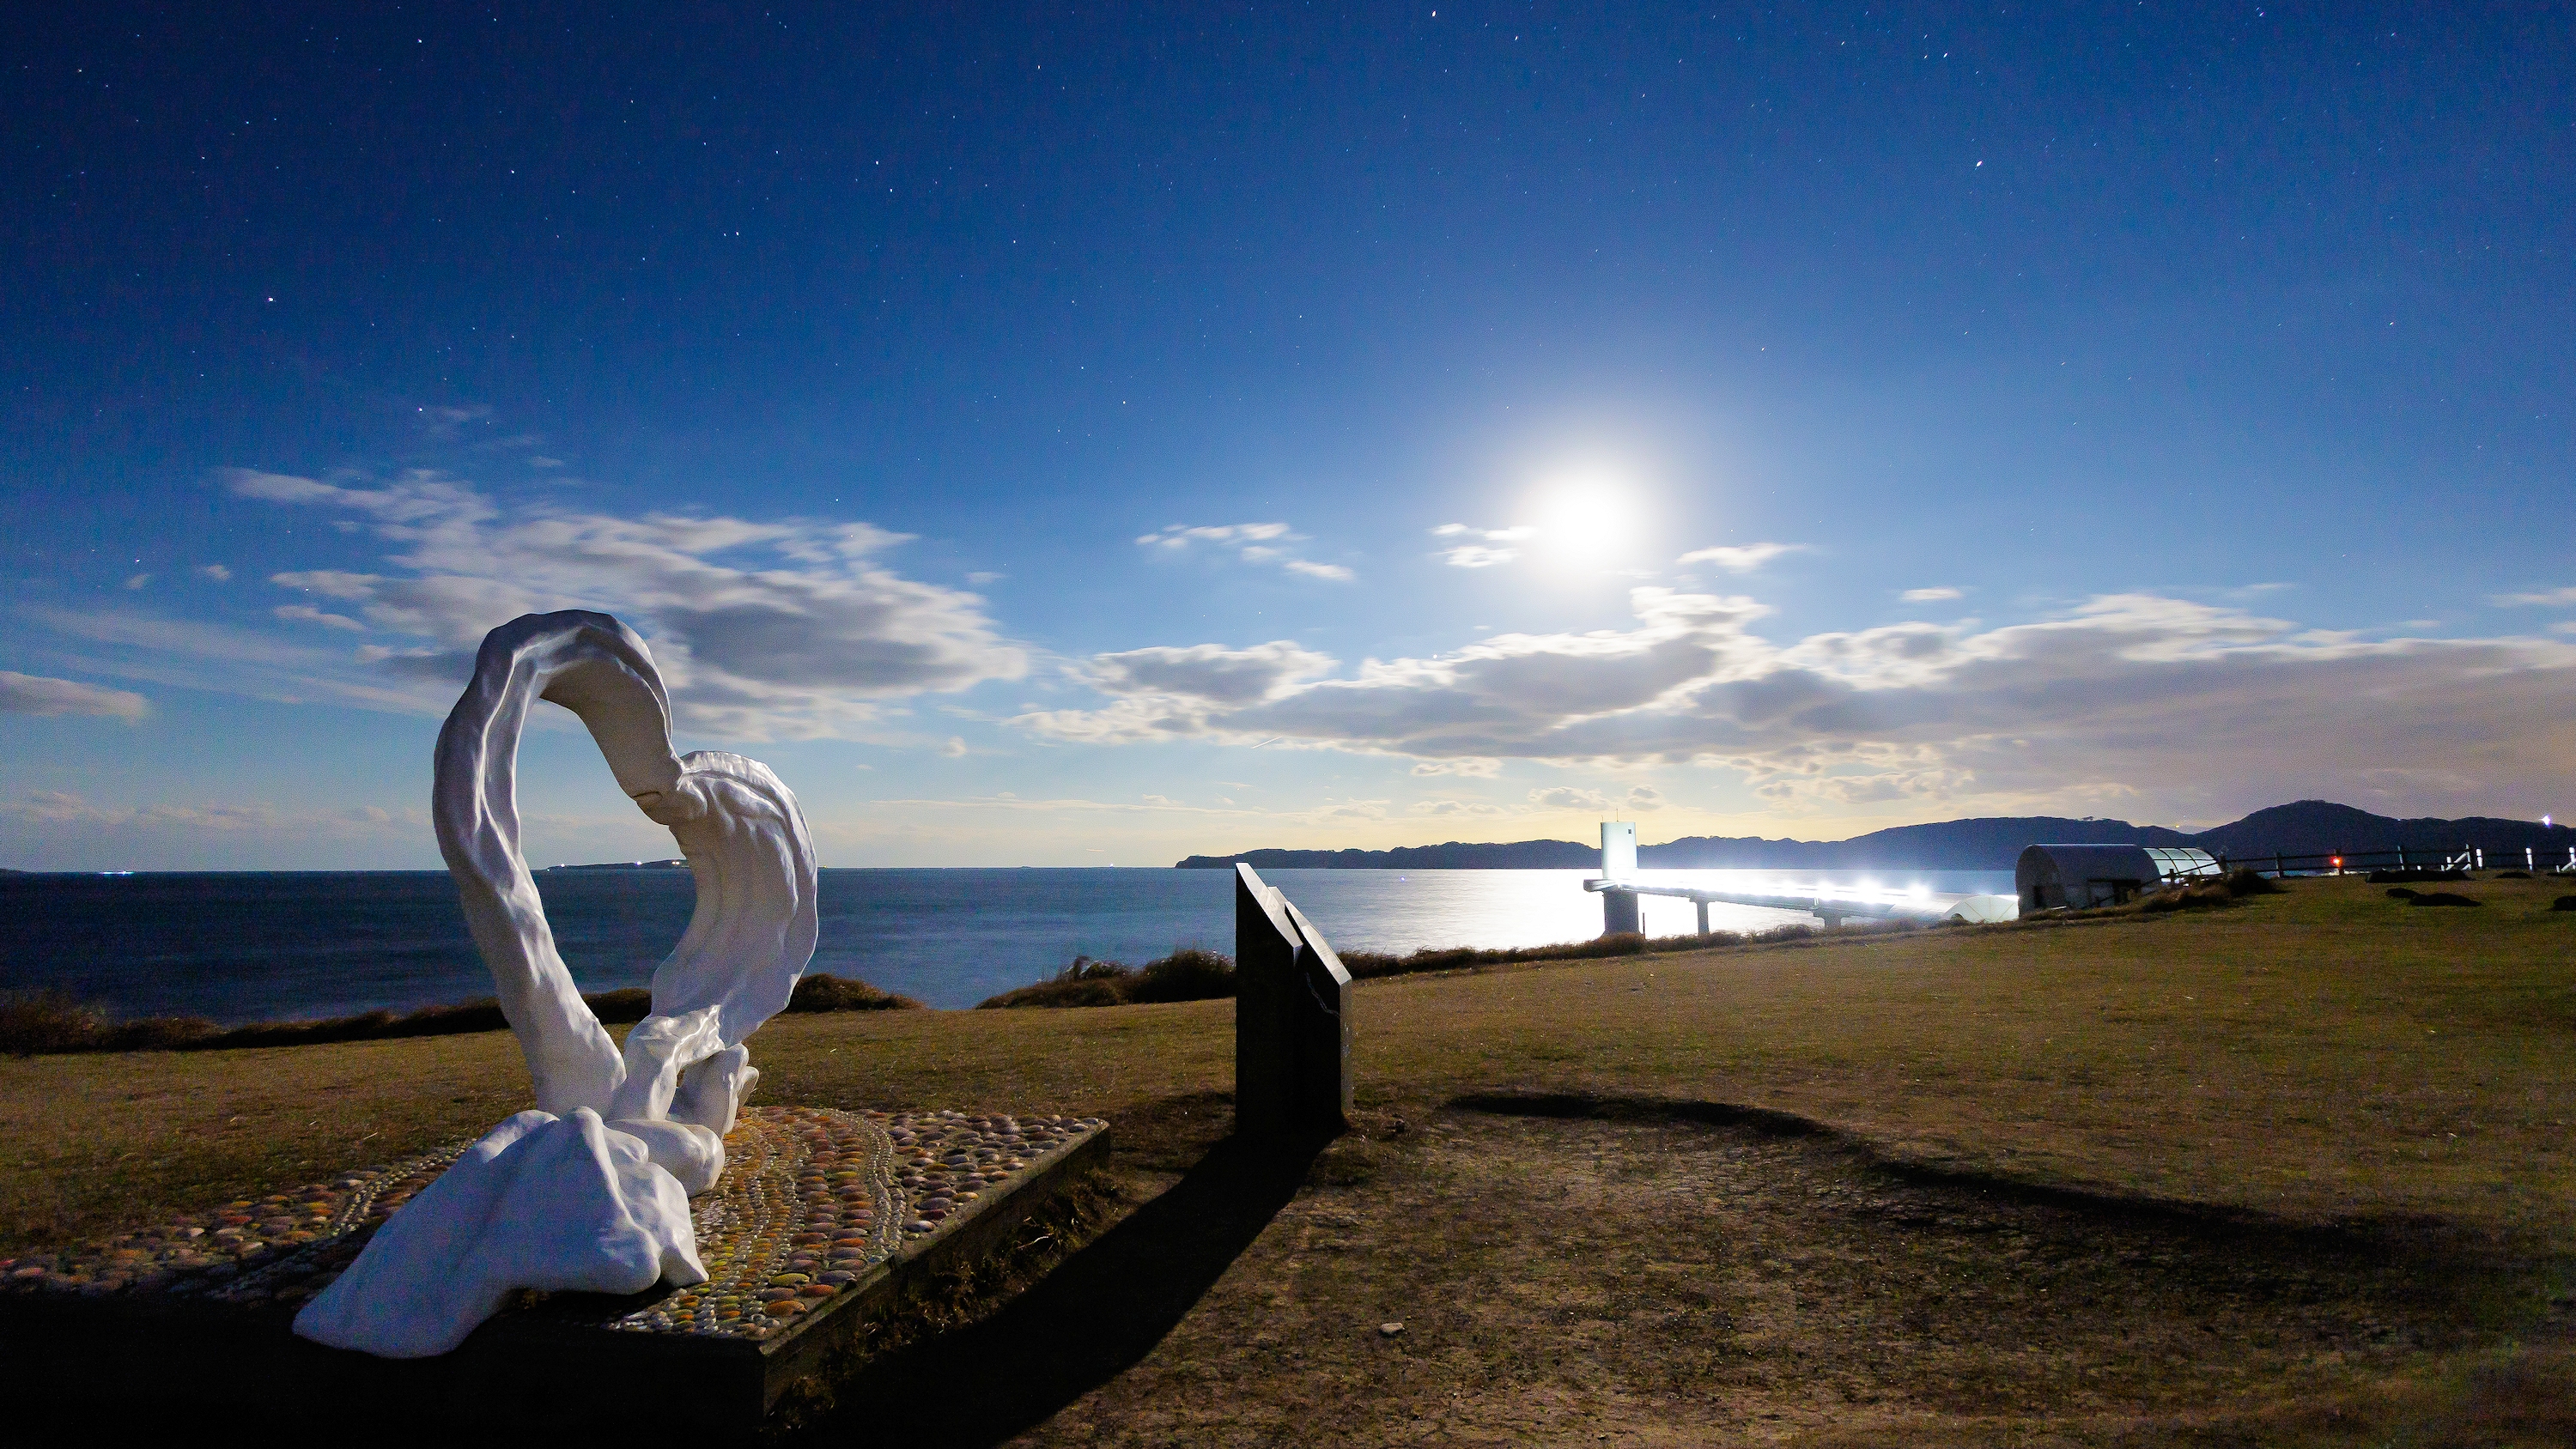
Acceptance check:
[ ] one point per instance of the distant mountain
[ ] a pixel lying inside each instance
(2305, 827)
(2313, 826)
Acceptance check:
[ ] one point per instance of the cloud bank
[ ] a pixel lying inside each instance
(2124, 696)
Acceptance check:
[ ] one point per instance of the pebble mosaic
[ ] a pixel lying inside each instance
(812, 1198)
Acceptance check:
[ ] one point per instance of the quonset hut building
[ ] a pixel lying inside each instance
(2050, 877)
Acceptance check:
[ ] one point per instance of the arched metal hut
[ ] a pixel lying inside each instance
(2050, 876)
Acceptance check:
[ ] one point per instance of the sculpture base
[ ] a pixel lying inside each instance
(823, 1220)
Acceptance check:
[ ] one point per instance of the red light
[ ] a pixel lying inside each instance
(2338, 861)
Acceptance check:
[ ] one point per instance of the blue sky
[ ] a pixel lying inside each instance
(1099, 435)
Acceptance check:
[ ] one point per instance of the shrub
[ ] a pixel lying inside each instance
(826, 992)
(2191, 896)
(2249, 882)
(1055, 993)
(46, 1021)
(1189, 974)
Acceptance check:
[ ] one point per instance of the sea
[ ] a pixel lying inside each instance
(247, 946)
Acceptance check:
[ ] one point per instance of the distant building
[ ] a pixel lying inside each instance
(2049, 877)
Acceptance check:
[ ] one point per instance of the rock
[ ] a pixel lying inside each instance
(1390, 1330)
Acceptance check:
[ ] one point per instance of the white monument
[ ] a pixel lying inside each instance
(589, 1191)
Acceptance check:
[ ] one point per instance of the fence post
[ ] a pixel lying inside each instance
(2278, 869)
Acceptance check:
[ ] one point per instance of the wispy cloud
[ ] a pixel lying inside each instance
(57, 807)
(1254, 543)
(1940, 594)
(1568, 797)
(307, 614)
(2545, 599)
(1480, 548)
(216, 572)
(1483, 769)
(1743, 557)
(38, 694)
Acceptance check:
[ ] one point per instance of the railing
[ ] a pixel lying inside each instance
(2341, 862)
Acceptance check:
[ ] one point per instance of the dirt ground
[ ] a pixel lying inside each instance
(1561, 1270)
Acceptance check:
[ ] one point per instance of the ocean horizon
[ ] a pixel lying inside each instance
(244, 946)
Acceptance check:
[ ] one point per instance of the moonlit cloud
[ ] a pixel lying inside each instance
(1454, 807)
(763, 629)
(2546, 599)
(307, 614)
(216, 572)
(1741, 558)
(2124, 696)
(37, 694)
(1480, 555)
(1568, 797)
(1472, 767)
(1930, 596)
(1254, 543)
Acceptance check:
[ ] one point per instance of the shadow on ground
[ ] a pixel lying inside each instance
(2420, 1232)
(1095, 1316)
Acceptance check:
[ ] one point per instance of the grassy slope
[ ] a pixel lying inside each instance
(2324, 1056)
(2326, 1053)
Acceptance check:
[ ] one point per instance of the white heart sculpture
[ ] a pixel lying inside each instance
(590, 1191)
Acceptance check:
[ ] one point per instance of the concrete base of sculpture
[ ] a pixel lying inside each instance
(824, 1219)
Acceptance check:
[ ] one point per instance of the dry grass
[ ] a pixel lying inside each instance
(2297, 1171)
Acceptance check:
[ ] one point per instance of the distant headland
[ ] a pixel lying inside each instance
(2303, 827)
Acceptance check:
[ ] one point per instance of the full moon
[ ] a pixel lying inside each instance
(1586, 518)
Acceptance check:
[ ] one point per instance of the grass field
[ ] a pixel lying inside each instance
(2294, 1172)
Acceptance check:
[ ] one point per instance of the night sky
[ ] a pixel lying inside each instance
(1090, 435)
